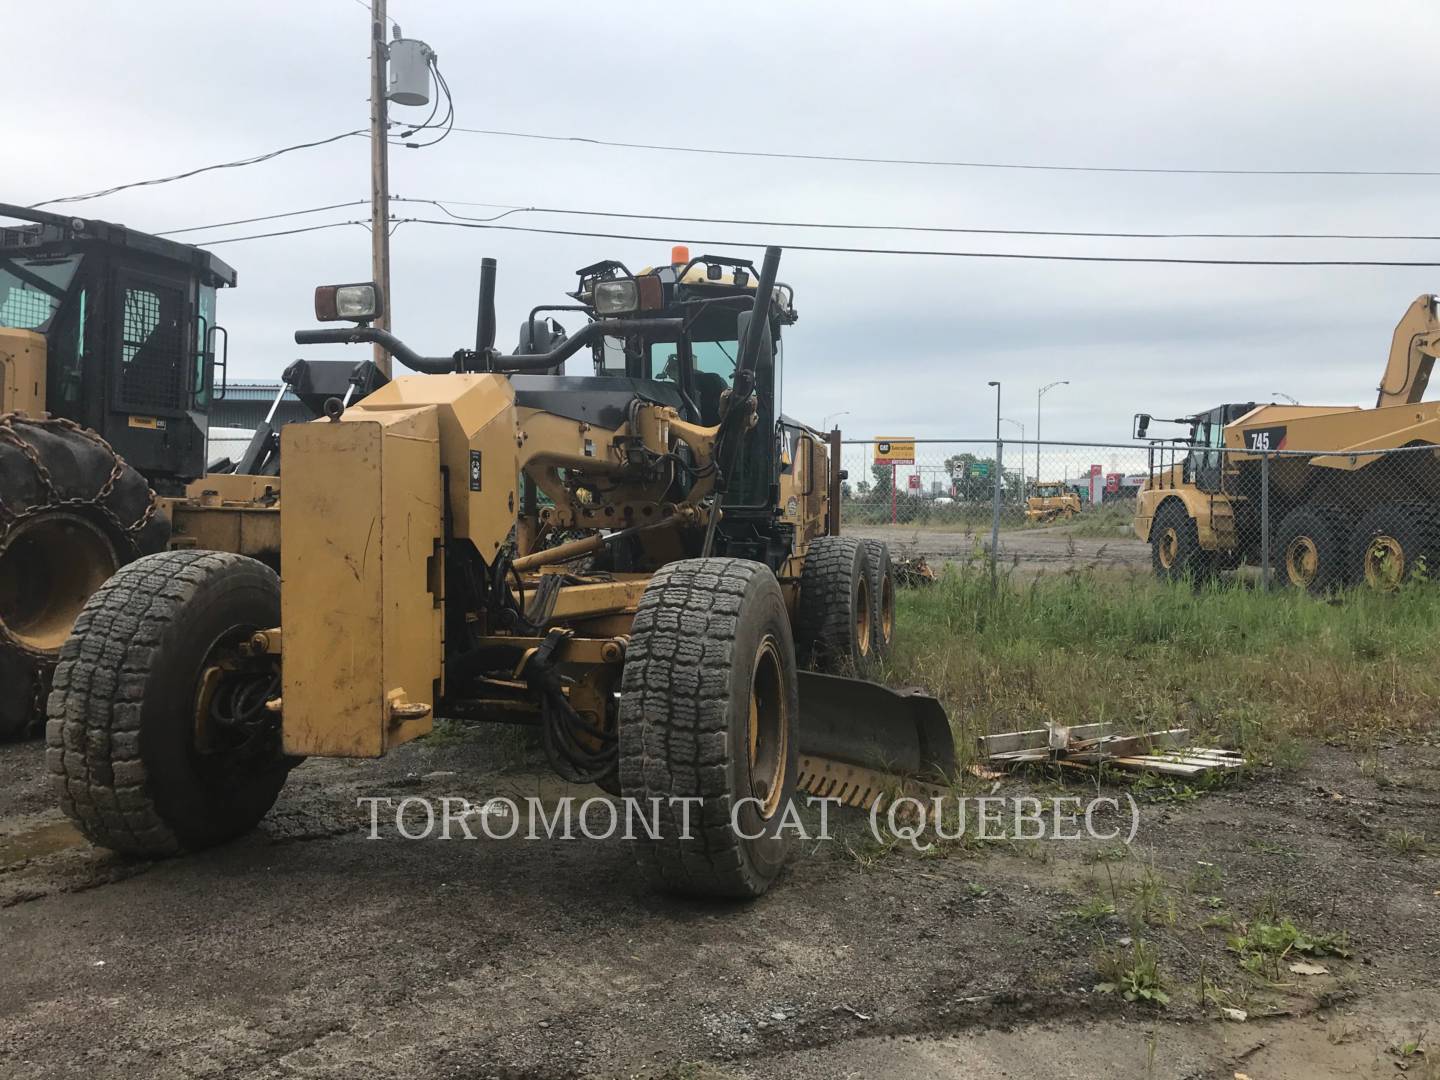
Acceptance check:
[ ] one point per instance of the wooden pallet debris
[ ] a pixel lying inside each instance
(1088, 746)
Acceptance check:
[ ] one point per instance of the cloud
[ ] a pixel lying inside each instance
(905, 344)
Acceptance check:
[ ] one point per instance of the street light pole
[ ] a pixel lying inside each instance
(1040, 395)
(1022, 447)
(379, 175)
(1287, 397)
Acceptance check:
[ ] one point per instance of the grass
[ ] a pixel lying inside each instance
(1409, 844)
(1133, 973)
(1258, 672)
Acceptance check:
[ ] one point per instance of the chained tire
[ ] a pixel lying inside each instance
(709, 708)
(1395, 543)
(834, 621)
(72, 512)
(158, 739)
(882, 597)
(1175, 551)
(1311, 549)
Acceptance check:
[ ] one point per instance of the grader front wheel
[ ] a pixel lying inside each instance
(709, 706)
(159, 738)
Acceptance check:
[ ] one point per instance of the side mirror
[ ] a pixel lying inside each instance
(360, 302)
(540, 335)
(1142, 424)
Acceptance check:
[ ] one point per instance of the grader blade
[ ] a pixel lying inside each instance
(860, 741)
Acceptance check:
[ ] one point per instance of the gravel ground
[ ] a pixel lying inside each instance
(1025, 553)
(308, 950)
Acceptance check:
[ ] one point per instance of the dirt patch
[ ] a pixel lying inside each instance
(308, 950)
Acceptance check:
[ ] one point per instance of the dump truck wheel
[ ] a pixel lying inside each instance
(72, 512)
(159, 739)
(708, 711)
(1311, 549)
(882, 596)
(1393, 542)
(1175, 551)
(835, 622)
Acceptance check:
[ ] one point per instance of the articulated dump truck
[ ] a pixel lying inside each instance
(646, 563)
(1351, 495)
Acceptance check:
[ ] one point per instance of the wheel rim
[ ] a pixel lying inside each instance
(233, 727)
(769, 727)
(50, 566)
(1169, 547)
(862, 619)
(1302, 561)
(887, 608)
(1384, 562)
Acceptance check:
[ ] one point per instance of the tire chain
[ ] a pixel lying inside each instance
(9, 519)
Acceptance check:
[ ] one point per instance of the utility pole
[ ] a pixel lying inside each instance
(380, 174)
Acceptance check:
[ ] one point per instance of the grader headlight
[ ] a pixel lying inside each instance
(616, 297)
(360, 302)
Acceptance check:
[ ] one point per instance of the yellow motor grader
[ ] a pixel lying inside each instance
(645, 563)
(1352, 495)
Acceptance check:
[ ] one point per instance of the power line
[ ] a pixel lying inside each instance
(264, 217)
(366, 5)
(474, 222)
(508, 209)
(280, 232)
(443, 204)
(255, 160)
(837, 249)
(937, 163)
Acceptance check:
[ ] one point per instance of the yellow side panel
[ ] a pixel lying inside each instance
(22, 371)
(360, 554)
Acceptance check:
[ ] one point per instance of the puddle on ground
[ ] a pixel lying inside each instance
(41, 839)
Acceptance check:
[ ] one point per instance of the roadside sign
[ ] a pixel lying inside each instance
(899, 451)
(914, 481)
(980, 468)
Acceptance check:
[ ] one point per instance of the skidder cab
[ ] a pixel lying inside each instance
(643, 562)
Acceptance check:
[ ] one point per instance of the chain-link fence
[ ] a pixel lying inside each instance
(1319, 520)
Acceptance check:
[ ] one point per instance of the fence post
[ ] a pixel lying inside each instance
(1265, 522)
(995, 515)
(894, 494)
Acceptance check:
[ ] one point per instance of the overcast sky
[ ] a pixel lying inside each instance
(121, 92)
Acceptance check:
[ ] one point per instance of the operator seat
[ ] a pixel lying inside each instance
(709, 387)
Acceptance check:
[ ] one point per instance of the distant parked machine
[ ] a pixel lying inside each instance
(1052, 500)
(1342, 510)
(111, 363)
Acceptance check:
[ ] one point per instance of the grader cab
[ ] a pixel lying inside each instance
(645, 563)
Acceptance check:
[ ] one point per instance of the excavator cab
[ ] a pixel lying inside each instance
(116, 331)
